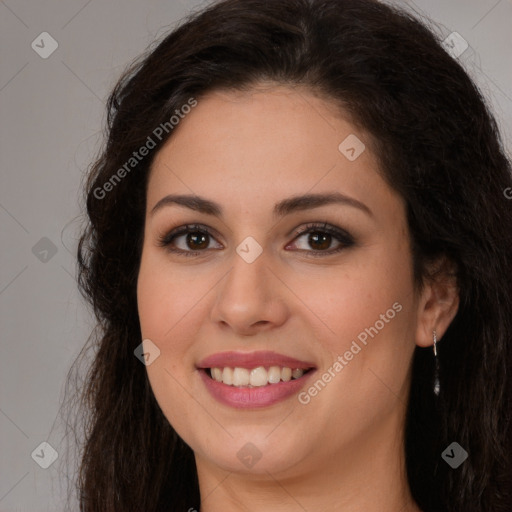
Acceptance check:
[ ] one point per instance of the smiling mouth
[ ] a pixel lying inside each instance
(259, 376)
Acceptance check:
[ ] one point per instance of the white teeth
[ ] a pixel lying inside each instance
(240, 377)
(286, 374)
(255, 377)
(227, 376)
(297, 373)
(274, 374)
(217, 374)
(258, 377)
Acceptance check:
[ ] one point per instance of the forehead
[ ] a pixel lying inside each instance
(245, 147)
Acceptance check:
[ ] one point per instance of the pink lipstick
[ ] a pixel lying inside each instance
(255, 379)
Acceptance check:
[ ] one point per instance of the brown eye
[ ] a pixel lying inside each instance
(192, 240)
(189, 240)
(318, 239)
(197, 240)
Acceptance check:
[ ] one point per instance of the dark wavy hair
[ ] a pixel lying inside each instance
(438, 146)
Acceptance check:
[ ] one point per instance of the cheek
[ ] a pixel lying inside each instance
(365, 296)
(166, 313)
(369, 311)
(165, 298)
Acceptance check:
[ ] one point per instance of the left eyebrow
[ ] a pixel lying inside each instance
(282, 208)
(309, 201)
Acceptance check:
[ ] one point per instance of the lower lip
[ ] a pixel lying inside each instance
(248, 398)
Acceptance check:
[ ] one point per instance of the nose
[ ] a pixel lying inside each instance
(250, 299)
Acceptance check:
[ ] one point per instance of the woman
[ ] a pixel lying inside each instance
(299, 256)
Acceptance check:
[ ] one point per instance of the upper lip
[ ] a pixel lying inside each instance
(252, 360)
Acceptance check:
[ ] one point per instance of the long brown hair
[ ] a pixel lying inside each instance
(438, 145)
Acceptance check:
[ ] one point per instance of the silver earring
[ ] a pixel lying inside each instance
(437, 385)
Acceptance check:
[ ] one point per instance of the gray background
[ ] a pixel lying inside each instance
(52, 113)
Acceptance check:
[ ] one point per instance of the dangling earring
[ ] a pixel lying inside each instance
(437, 385)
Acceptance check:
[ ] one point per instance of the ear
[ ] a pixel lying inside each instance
(438, 302)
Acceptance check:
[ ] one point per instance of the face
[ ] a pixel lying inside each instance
(292, 265)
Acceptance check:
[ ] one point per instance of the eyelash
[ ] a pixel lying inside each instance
(340, 235)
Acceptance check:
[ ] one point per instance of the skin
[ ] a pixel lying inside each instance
(343, 450)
